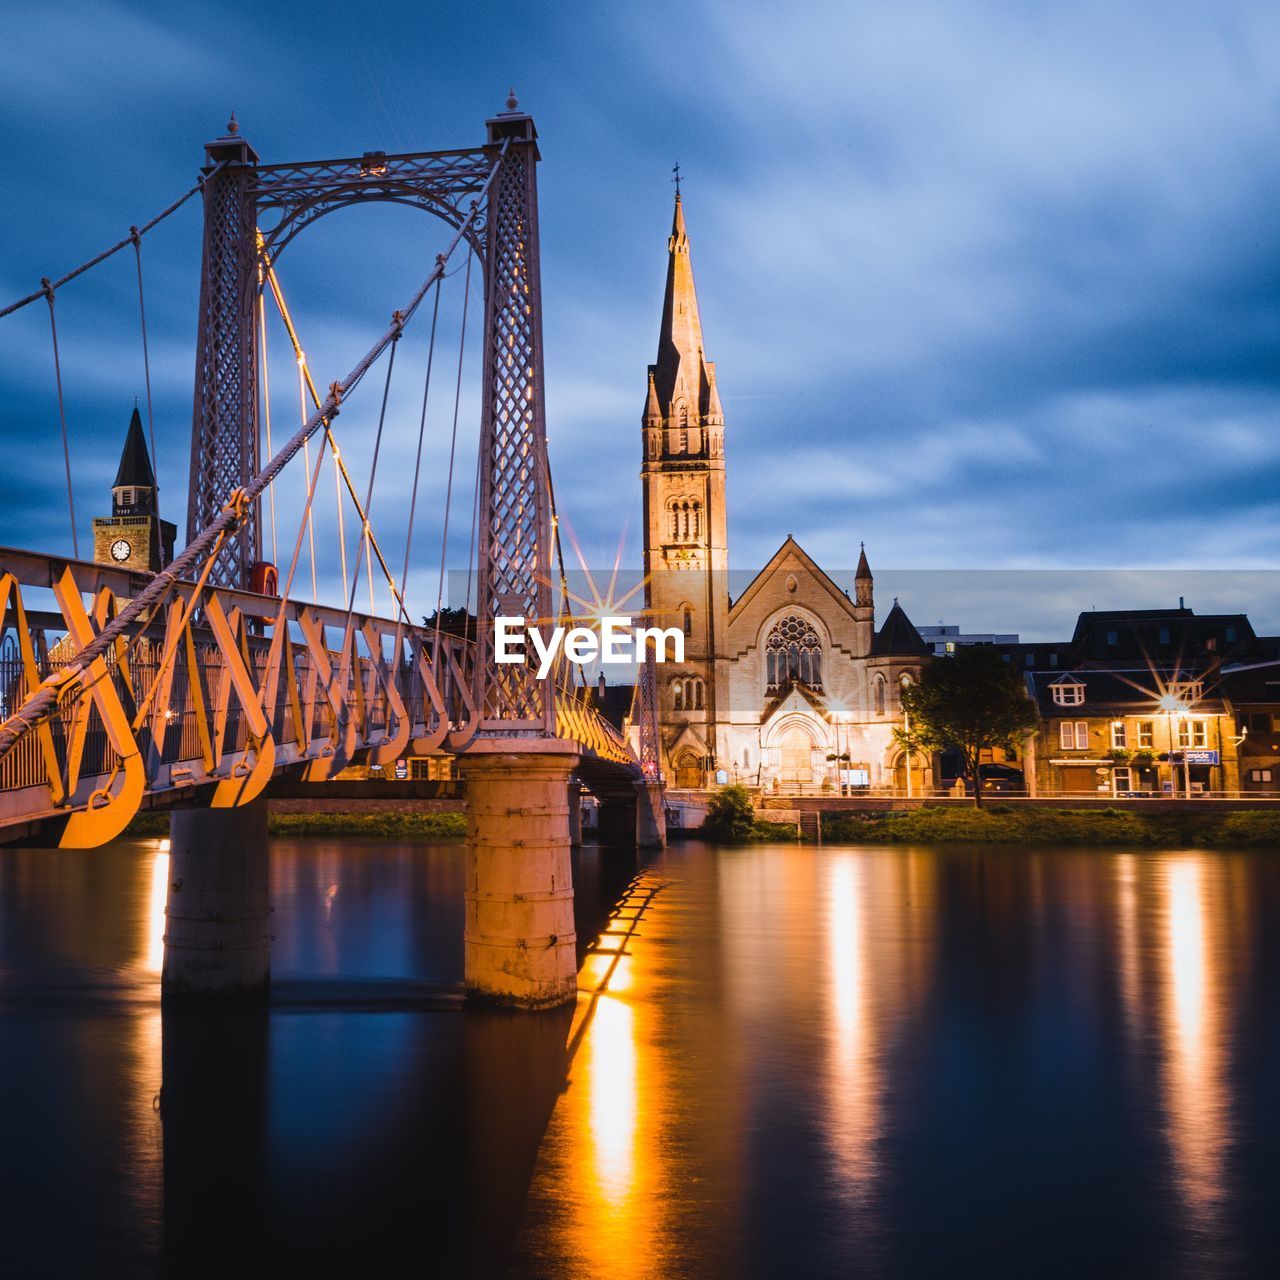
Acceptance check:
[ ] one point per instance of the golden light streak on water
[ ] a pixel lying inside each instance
(851, 1057)
(611, 1088)
(1193, 1036)
(155, 912)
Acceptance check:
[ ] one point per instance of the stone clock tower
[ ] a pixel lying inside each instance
(686, 557)
(134, 536)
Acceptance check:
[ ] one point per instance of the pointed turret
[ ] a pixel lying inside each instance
(134, 490)
(135, 461)
(652, 410)
(863, 582)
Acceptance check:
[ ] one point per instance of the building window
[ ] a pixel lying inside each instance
(687, 694)
(1121, 781)
(1186, 690)
(1146, 734)
(793, 654)
(1119, 735)
(879, 695)
(1113, 638)
(1255, 722)
(1053, 659)
(1259, 775)
(1073, 735)
(1231, 635)
(1068, 695)
(1031, 659)
(686, 619)
(1193, 733)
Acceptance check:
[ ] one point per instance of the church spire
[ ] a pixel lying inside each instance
(863, 582)
(680, 374)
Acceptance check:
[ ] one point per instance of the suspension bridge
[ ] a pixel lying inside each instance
(194, 687)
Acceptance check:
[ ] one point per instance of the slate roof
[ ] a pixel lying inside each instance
(135, 462)
(898, 637)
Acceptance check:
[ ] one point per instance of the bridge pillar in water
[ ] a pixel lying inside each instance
(520, 939)
(651, 815)
(217, 916)
(575, 814)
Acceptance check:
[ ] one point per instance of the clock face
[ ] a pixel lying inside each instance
(121, 550)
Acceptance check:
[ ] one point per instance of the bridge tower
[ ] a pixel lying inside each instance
(519, 931)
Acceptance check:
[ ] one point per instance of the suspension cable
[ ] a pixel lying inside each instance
(44, 701)
(306, 467)
(266, 412)
(62, 416)
(422, 427)
(368, 497)
(453, 445)
(136, 236)
(45, 286)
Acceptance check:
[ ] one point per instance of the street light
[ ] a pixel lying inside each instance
(1175, 708)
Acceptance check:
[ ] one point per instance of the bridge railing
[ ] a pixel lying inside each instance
(221, 689)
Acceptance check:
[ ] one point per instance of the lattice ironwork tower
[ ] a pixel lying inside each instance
(515, 506)
(224, 425)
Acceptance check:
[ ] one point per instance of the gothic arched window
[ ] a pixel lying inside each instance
(879, 695)
(677, 695)
(686, 619)
(793, 654)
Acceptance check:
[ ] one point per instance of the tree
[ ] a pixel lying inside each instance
(730, 815)
(971, 700)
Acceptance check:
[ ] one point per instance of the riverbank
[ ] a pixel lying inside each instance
(999, 824)
(402, 824)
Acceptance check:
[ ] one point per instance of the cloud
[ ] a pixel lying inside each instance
(987, 283)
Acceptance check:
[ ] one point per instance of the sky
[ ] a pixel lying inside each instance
(990, 286)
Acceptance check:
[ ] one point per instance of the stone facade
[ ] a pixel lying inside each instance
(790, 686)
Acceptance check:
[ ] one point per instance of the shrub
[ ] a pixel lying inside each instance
(730, 816)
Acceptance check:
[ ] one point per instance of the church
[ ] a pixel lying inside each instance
(790, 686)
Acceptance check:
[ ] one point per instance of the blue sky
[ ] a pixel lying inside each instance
(989, 285)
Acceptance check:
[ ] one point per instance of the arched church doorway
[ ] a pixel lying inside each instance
(797, 758)
(919, 774)
(688, 771)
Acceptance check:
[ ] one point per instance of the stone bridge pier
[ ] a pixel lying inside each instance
(633, 814)
(520, 939)
(217, 915)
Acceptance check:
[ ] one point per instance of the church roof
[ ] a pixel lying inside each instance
(135, 462)
(680, 371)
(898, 637)
(776, 561)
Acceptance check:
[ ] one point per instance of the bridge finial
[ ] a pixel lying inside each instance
(233, 125)
(512, 103)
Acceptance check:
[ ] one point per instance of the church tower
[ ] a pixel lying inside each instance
(134, 536)
(686, 556)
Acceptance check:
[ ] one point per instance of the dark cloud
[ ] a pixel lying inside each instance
(988, 284)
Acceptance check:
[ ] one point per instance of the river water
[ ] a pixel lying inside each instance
(793, 1061)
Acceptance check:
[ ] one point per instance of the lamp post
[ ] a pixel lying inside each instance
(1174, 708)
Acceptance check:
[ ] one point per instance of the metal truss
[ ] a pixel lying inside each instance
(217, 691)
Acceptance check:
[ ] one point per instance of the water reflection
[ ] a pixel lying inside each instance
(852, 1084)
(896, 1062)
(1195, 1050)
